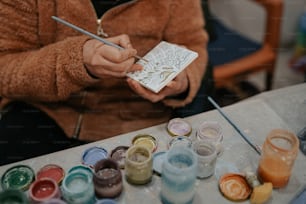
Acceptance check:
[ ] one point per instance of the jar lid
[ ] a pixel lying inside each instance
(52, 171)
(92, 155)
(234, 187)
(158, 159)
(118, 154)
(181, 141)
(145, 140)
(179, 127)
(18, 177)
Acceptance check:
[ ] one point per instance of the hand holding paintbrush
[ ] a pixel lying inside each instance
(114, 58)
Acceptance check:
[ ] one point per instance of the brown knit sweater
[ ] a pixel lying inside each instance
(41, 60)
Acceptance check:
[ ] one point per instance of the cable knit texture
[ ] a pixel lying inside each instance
(41, 61)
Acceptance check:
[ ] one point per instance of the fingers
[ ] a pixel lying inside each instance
(103, 60)
(143, 92)
(116, 55)
(121, 40)
(177, 86)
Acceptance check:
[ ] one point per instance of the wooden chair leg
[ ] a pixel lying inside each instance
(269, 79)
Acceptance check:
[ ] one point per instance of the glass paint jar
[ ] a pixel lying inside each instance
(13, 196)
(210, 131)
(179, 171)
(138, 165)
(78, 188)
(207, 157)
(278, 155)
(107, 179)
(44, 189)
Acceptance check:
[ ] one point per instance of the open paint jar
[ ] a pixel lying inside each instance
(10, 196)
(78, 188)
(43, 190)
(207, 157)
(179, 171)
(138, 165)
(277, 159)
(210, 131)
(107, 179)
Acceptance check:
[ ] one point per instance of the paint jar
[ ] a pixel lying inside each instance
(179, 127)
(78, 188)
(92, 155)
(54, 201)
(207, 157)
(107, 179)
(145, 140)
(138, 165)
(277, 159)
(178, 179)
(118, 154)
(106, 201)
(13, 196)
(43, 189)
(52, 171)
(18, 177)
(181, 141)
(81, 168)
(210, 131)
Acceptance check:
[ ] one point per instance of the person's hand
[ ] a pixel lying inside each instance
(175, 87)
(103, 60)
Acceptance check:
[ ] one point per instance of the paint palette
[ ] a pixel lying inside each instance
(165, 62)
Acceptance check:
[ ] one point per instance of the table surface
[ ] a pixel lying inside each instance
(256, 116)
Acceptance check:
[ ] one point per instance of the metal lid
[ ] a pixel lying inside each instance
(158, 159)
(18, 177)
(179, 127)
(145, 140)
(52, 171)
(234, 187)
(182, 141)
(118, 154)
(92, 155)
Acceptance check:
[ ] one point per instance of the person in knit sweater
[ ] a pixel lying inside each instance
(60, 88)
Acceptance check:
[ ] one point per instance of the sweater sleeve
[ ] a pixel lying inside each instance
(29, 71)
(186, 27)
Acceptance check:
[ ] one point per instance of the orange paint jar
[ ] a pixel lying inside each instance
(278, 155)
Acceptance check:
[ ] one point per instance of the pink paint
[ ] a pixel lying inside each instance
(51, 171)
(43, 190)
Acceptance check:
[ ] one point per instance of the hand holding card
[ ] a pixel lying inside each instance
(165, 62)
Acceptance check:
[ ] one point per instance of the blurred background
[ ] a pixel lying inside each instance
(248, 18)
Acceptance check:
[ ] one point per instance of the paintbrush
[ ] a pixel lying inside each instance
(93, 36)
(255, 147)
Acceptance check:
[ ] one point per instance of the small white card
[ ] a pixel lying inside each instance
(166, 61)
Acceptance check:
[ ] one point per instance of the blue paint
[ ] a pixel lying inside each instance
(179, 172)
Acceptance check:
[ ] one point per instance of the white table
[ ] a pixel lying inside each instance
(257, 116)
